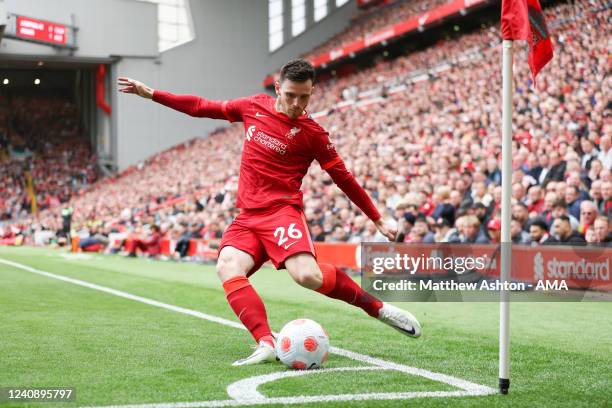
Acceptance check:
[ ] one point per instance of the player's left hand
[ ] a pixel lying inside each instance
(387, 229)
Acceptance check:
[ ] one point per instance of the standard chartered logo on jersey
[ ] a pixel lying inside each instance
(249, 132)
(266, 140)
(581, 269)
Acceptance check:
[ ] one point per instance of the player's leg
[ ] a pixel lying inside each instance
(330, 281)
(240, 255)
(338, 285)
(233, 266)
(334, 283)
(286, 239)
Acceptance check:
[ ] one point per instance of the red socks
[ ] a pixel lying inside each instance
(249, 308)
(338, 285)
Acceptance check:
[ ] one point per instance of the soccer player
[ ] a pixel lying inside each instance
(281, 141)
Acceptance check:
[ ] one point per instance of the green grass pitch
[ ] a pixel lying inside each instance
(117, 351)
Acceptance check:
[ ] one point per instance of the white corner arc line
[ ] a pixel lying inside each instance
(302, 399)
(246, 389)
(468, 388)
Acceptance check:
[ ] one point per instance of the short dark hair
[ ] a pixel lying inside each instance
(521, 204)
(297, 70)
(540, 223)
(560, 203)
(564, 218)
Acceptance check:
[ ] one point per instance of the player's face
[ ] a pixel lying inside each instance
(293, 97)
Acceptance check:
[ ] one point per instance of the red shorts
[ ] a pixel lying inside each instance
(273, 234)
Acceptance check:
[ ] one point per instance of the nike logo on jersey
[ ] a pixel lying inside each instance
(260, 115)
(288, 245)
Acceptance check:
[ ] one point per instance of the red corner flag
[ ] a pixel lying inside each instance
(523, 20)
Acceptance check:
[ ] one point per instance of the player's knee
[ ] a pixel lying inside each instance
(229, 267)
(304, 270)
(309, 277)
(233, 262)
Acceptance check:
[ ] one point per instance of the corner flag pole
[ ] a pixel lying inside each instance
(506, 249)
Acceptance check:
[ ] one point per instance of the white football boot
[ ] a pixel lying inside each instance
(264, 353)
(400, 320)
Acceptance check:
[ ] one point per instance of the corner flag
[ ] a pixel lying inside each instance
(520, 20)
(524, 20)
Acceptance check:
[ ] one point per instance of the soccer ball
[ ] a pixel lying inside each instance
(302, 344)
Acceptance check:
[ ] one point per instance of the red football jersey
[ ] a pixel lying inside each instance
(277, 150)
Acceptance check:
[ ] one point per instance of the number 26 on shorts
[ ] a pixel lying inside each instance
(292, 232)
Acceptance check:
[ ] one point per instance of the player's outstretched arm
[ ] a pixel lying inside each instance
(131, 86)
(189, 104)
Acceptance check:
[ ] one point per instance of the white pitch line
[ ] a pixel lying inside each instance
(246, 389)
(303, 399)
(469, 388)
(126, 295)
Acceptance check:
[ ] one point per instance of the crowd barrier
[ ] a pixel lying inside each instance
(581, 267)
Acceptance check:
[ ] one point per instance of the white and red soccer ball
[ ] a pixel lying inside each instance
(302, 344)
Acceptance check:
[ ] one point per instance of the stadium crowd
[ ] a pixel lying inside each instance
(375, 19)
(40, 137)
(428, 152)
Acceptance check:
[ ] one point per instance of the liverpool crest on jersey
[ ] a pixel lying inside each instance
(291, 134)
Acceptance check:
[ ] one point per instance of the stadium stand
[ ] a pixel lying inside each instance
(421, 133)
(372, 20)
(43, 156)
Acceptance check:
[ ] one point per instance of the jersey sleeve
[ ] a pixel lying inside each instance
(235, 108)
(325, 153)
(324, 150)
(196, 106)
(353, 190)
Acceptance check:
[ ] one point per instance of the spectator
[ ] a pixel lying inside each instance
(557, 168)
(538, 233)
(494, 230)
(420, 233)
(472, 234)
(589, 153)
(605, 155)
(444, 232)
(517, 234)
(318, 234)
(573, 200)
(564, 232)
(149, 246)
(560, 209)
(590, 236)
(588, 213)
(535, 201)
(602, 230)
(520, 213)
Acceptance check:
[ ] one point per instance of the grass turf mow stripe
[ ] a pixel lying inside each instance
(244, 392)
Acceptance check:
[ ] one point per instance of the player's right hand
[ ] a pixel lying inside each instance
(132, 86)
(387, 229)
